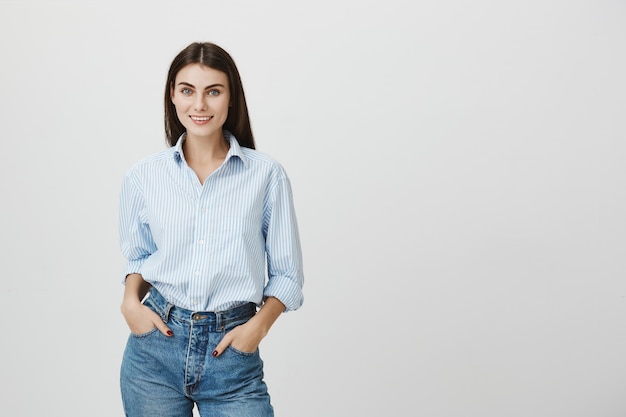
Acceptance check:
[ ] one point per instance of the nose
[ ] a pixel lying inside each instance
(200, 103)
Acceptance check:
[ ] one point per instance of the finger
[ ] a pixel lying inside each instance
(221, 346)
(163, 328)
(159, 324)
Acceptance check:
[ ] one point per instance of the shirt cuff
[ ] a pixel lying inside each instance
(286, 290)
(132, 267)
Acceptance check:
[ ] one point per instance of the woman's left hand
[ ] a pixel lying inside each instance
(244, 338)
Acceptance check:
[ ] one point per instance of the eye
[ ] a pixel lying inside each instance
(214, 93)
(186, 91)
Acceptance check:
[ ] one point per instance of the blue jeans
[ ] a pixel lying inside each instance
(164, 376)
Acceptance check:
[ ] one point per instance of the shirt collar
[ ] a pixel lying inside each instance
(178, 148)
(235, 148)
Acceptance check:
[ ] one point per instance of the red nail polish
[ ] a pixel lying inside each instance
(215, 353)
(170, 333)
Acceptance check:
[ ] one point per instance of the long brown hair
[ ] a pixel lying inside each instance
(210, 55)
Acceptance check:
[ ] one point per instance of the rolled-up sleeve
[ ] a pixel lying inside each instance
(136, 241)
(282, 245)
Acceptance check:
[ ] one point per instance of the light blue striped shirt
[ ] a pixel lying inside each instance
(206, 247)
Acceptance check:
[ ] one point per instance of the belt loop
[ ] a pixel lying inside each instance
(219, 322)
(166, 313)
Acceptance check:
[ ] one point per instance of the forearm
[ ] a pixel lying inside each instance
(135, 289)
(271, 309)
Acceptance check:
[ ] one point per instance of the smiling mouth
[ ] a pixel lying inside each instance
(201, 118)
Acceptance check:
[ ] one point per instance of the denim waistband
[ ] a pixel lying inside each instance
(219, 319)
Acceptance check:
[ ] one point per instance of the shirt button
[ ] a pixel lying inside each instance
(197, 273)
(201, 242)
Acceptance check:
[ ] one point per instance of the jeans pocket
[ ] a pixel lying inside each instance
(240, 352)
(142, 335)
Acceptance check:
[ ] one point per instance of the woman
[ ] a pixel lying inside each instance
(199, 222)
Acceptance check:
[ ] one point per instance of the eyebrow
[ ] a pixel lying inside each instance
(206, 88)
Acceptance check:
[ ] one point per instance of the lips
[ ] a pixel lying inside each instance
(201, 119)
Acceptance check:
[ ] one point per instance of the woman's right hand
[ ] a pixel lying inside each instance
(141, 319)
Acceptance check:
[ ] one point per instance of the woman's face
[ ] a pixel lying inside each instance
(201, 97)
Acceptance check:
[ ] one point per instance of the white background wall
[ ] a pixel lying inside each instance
(458, 171)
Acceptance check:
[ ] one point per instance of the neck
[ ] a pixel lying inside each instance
(205, 148)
